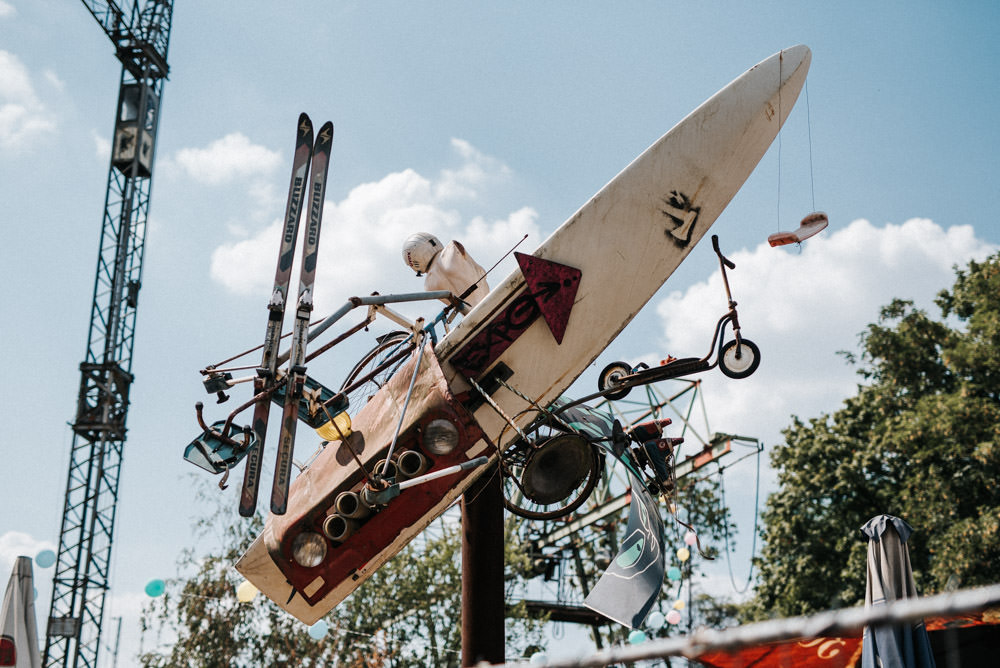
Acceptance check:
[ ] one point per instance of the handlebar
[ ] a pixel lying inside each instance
(722, 258)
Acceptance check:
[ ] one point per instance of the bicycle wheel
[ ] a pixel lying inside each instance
(739, 360)
(376, 367)
(551, 477)
(611, 376)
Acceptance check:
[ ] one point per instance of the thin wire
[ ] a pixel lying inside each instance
(756, 519)
(812, 182)
(781, 63)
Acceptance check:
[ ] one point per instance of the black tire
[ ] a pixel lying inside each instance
(739, 362)
(611, 376)
(374, 361)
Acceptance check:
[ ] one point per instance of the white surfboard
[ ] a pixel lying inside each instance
(614, 253)
(635, 232)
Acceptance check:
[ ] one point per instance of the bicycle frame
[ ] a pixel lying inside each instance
(219, 378)
(622, 377)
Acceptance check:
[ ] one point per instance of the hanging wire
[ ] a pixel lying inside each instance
(812, 181)
(781, 63)
(756, 527)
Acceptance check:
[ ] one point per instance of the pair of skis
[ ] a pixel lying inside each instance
(316, 154)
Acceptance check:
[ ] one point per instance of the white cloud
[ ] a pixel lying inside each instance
(102, 146)
(129, 606)
(477, 170)
(23, 116)
(53, 80)
(14, 544)
(362, 235)
(7, 10)
(800, 308)
(227, 159)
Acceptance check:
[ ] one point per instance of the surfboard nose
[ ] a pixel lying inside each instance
(796, 56)
(791, 65)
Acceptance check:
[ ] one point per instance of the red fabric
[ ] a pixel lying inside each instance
(819, 652)
(842, 652)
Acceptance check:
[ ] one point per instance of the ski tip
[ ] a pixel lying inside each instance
(325, 134)
(305, 130)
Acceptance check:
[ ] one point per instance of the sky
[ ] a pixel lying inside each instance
(481, 122)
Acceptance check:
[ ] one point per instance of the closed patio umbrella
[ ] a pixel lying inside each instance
(890, 577)
(18, 634)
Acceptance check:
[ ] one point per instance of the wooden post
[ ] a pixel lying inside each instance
(483, 634)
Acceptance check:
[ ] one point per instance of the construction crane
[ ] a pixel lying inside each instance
(140, 35)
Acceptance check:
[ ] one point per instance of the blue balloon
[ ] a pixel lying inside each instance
(538, 658)
(318, 630)
(674, 573)
(637, 637)
(655, 620)
(155, 588)
(45, 558)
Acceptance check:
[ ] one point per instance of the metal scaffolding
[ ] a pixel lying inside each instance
(82, 574)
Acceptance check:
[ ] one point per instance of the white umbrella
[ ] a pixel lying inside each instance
(18, 634)
(890, 577)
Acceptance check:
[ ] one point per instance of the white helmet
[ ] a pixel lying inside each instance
(419, 251)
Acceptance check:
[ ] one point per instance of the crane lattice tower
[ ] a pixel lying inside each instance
(140, 35)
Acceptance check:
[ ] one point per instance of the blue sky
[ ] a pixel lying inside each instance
(473, 121)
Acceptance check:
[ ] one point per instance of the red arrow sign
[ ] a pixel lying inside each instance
(551, 290)
(553, 286)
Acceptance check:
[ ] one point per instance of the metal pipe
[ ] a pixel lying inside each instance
(351, 506)
(482, 571)
(388, 469)
(406, 404)
(374, 300)
(831, 623)
(434, 475)
(411, 463)
(339, 528)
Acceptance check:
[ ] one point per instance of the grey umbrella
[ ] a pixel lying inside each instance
(890, 577)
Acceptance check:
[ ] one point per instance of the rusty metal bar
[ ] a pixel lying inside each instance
(846, 620)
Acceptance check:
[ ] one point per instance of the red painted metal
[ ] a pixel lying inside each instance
(334, 471)
(554, 286)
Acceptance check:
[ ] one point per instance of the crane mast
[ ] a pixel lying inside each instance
(82, 574)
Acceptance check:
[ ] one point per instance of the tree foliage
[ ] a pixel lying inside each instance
(409, 612)
(198, 622)
(919, 440)
(406, 615)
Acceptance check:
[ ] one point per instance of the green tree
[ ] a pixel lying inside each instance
(407, 614)
(199, 621)
(919, 440)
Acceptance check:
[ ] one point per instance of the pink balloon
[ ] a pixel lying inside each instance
(674, 617)
(690, 538)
